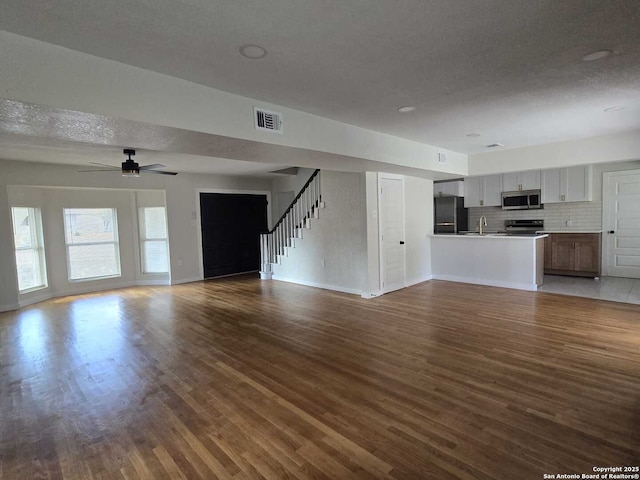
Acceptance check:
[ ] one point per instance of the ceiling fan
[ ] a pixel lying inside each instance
(130, 168)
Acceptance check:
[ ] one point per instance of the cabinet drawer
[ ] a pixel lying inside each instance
(575, 237)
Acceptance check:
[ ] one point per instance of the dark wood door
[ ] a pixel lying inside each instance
(231, 227)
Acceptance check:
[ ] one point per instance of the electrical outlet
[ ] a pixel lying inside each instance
(179, 263)
(569, 223)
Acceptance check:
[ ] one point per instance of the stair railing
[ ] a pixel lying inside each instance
(296, 216)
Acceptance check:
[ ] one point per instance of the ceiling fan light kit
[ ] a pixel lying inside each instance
(131, 169)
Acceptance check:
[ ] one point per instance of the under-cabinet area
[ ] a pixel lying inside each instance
(577, 254)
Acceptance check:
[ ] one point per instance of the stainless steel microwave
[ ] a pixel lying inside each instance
(521, 200)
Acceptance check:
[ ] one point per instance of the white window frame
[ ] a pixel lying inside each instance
(37, 244)
(144, 239)
(115, 242)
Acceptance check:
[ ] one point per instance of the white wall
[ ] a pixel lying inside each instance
(603, 149)
(181, 200)
(338, 237)
(418, 194)
(373, 286)
(287, 183)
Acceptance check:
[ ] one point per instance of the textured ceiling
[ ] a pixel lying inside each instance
(510, 70)
(34, 149)
(44, 134)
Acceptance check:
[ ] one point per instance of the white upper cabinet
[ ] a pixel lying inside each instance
(448, 189)
(483, 191)
(473, 192)
(579, 184)
(529, 180)
(493, 190)
(572, 184)
(511, 181)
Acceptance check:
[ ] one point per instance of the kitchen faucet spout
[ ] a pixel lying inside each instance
(482, 221)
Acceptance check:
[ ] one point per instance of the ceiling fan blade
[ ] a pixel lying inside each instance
(111, 170)
(103, 165)
(159, 172)
(152, 166)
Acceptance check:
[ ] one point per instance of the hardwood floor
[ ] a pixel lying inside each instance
(243, 379)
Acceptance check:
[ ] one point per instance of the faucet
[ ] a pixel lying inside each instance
(482, 219)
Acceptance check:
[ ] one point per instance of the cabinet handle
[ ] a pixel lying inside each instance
(611, 231)
(481, 202)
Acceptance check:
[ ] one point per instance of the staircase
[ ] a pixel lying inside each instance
(297, 217)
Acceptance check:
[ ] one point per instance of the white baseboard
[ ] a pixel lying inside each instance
(153, 281)
(91, 288)
(409, 283)
(335, 288)
(369, 295)
(8, 307)
(490, 283)
(31, 299)
(413, 282)
(185, 280)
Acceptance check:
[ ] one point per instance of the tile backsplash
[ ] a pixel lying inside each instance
(582, 215)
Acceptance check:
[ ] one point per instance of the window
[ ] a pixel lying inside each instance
(27, 237)
(92, 243)
(153, 240)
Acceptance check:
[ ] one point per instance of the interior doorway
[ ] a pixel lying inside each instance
(621, 223)
(392, 254)
(231, 225)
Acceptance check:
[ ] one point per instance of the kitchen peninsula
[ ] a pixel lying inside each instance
(510, 261)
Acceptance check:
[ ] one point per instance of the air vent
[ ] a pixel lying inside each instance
(266, 120)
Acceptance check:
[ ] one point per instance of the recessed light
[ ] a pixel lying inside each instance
(494, 145)
(253, 52)
(590, 57)
(406, 109)
(473, 135)
(613, 109)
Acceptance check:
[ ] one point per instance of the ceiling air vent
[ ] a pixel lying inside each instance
(266, 120)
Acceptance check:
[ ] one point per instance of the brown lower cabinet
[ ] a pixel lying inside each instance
(575, 254)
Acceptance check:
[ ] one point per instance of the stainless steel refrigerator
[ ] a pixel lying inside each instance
(450, 216)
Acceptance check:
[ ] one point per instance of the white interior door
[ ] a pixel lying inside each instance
(621, 221)
(391, 207)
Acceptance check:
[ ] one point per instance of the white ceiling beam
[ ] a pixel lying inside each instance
(40, 73)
